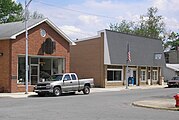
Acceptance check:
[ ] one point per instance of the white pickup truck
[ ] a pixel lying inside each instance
(63, 83)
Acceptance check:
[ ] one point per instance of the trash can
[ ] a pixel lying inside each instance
(132, 80)
(129, 80)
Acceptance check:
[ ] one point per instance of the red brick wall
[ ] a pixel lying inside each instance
(35, 42)
(4, 66)
(87, 60)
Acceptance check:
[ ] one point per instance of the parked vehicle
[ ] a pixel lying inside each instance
(63, 83)
(174, 82)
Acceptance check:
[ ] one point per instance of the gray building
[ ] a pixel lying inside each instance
(172, 67)
(104, 58)
(170, 71)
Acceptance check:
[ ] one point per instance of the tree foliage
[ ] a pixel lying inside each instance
(172, 41)
(124, 26)
(10, 11)
(36, 15)
(149, 25)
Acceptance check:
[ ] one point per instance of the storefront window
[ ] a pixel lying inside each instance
(114, 75)
(143, 75)
(40, 68)
(45, 68)
(21, 70)
(58, 65)
(155, 74)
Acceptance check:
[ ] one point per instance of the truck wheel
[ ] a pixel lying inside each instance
(57, 91)
(41, 94)
(86, 89)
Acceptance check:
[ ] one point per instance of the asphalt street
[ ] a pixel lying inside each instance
(95, 106)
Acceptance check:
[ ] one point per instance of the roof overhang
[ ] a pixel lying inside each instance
(60, 32)
(174, 67)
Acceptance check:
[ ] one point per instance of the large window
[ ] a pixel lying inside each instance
(40, 68)
(155, 74)
(114, 75)
(143, 75)
(21, 70)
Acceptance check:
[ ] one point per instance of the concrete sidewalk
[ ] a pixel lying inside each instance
(93, 90)
(162, 104)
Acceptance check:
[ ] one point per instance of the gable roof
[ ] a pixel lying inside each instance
(12, 30)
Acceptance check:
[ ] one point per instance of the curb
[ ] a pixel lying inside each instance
(94, 90)
(137, 104)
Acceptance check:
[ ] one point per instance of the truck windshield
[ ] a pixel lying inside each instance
(175, 78)
(55, 78)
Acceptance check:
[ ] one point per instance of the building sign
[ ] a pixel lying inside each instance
(158, 56)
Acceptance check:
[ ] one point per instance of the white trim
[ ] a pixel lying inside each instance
(155, 76)
(88, 38)
(40, 56)
(143, 70)
(136, 70)
(6, 38)
(50, 24)
(107, 58)
(117, 69)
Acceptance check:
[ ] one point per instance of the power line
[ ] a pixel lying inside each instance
(82, 34)
(78, 11)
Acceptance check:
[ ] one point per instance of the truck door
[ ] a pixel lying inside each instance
(75, 82)
(67, 83)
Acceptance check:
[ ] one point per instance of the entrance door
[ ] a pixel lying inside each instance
(134, 76)
(34, 74)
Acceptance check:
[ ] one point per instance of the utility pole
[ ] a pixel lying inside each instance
(26, 47)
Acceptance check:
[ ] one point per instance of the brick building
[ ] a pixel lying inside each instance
(103, 57)
(49, 53)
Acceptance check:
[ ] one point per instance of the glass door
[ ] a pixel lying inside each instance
(34, 74)
(134, 76)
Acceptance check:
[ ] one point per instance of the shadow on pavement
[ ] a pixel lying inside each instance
(51, 95)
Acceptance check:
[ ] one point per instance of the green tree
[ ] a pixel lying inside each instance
(36, 15)
(124, 26)
(149, 25)
(172, 41)
(10, 11)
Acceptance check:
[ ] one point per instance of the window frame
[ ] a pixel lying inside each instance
(121, 80)
(67, 79)
(143, 76)
(74, 76)
(155, 75)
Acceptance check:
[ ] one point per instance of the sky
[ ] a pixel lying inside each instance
(84, 18)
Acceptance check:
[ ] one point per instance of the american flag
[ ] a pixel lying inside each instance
(128, 53)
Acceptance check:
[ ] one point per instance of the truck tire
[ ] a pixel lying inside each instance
(41, 94)
(86, 89)
(57, 91)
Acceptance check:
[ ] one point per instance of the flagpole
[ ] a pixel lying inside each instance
(127, 62)
(127, 74)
